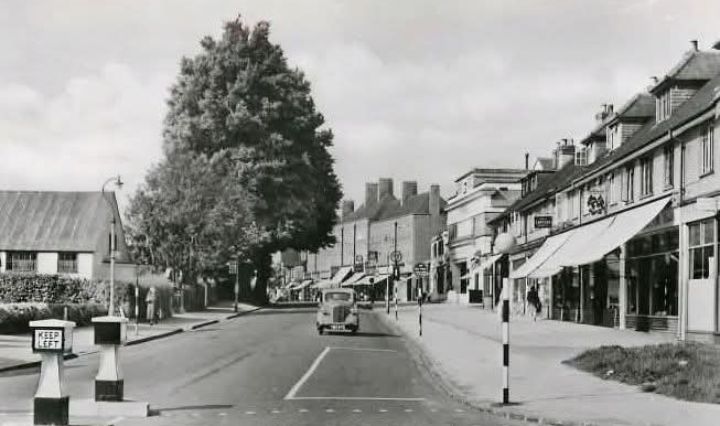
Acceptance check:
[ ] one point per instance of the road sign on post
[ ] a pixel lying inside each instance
(421, 270)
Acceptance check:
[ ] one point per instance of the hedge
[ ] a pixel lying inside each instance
(28, 297)
(15, 317)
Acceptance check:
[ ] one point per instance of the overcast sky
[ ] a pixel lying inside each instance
(414, 90)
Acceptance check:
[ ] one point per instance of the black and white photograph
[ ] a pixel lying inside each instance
(359, 212)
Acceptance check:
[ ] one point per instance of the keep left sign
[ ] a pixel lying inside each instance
(48, 340)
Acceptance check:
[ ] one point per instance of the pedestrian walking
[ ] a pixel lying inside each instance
(534, 304)
(150, 299)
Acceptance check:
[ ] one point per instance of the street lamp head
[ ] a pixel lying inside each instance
(504, 243)
(118, 182)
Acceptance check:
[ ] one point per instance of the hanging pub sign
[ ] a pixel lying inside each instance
(543, 221)
(595, 203)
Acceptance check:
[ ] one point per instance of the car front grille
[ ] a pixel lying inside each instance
(339, 313)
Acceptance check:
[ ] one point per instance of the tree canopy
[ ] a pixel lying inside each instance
(246, 159)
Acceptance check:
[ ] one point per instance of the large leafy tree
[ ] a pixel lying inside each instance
(238, 99)
(193, 215)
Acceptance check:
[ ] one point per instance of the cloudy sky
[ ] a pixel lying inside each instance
(421, 90)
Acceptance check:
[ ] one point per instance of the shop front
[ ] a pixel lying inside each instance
(619, 270)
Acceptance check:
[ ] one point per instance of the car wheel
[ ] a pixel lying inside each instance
(320, 330)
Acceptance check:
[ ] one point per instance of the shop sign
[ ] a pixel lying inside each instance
(543, 221)
(595, 204)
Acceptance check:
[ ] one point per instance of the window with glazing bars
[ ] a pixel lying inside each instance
(22, 261)
(708, 149)
(646, 171)
(67, 263)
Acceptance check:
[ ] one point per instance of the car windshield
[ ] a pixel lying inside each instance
(337, 296)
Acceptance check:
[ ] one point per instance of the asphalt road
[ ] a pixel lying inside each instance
(268, 368)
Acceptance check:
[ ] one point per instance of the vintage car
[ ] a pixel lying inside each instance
(337, 311)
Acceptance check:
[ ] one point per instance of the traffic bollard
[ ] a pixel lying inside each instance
(387, 296)
(137, 309)
(420, 309)
(506, 341)
(52, 339)
(110, 334)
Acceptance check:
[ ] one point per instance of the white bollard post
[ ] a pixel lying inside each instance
(52, 339)
(110, 334)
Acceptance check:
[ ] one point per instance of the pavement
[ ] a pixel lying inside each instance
(269, 367)
(16, 351)
(463, 347)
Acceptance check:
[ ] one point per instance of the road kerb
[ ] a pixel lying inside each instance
(235, 315)
(204, 324)
(432, 367)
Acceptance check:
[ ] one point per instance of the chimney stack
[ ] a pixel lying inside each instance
(694, 44)
(409, 189)
(348, 206)
(565, 153)
(385, 188)
(434, 209)
(527, 161)
(371, 194)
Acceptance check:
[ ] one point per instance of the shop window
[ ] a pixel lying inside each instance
(702, 248)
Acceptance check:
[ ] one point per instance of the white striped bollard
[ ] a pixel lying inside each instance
(420, 310)
(506, 342)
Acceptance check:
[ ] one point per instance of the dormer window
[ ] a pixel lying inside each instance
(663, 106)
(581, 157)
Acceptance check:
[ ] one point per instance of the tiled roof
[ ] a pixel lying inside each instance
(390, 207)
(641, 105)
(546, 163)
(696, 105)
(693, 107)
(694, 65)
(53, 221)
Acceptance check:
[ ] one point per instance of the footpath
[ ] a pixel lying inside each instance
(16, 353)
(462, 347)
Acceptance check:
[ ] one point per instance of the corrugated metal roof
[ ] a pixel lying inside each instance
(53, 221)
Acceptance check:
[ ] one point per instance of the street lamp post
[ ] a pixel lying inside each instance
(113, 241)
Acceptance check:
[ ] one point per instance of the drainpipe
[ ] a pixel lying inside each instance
(683, 248)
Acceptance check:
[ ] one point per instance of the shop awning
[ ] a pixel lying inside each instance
(547, 249)
(489, 262)
(581, 238)
(366, 279)
(341, 274)
(592, 242)
(302, 285)
(323, 284)
(353, 279)
(623, 227)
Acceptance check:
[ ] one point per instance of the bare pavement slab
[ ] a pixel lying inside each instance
(462, 346)
(16, 353)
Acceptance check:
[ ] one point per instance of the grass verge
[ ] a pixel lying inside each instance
(689, 371)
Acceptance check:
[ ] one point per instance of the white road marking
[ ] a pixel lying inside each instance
(329, 410)
(357, 411)
(222, 414)
(408, 410)
(352, 348)
(458, 410)
(275, 411)
(250, 413)
(382, 410)
(116, 420)
(357, 398)
(303, 410)
(311, 370)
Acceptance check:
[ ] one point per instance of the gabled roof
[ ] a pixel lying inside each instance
(545, 163)
(703, 99)
(642, 105)
(694, 65)
(390, 207)
(54, 221)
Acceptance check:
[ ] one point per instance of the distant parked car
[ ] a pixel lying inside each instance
(337, 311)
